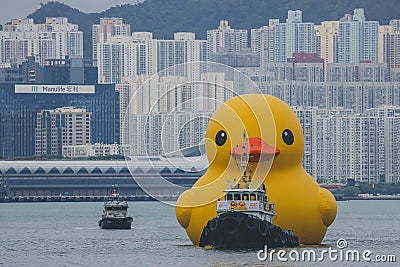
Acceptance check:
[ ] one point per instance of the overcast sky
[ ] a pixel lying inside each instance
(21, 8)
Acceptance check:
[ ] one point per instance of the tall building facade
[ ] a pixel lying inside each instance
(107, 28)
(357, 96)
(121, 56)
(20, 104)
(61, 127)
(55, 39)
(341, 144)
(326, 42)
(393, 50)
(226, 39)
(112, 59)
(142, 54)
(384, 30)
(307, 67)
(308, 120)
(293, 36)
(184, 48)
(395, 24)
(358, 39)
(263, 42)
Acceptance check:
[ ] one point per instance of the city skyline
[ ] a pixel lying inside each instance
(164, 95)
(343, 40)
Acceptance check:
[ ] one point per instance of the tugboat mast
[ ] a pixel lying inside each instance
(244, 164)
(244, 157)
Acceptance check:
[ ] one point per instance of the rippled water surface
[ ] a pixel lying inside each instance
(66, 234)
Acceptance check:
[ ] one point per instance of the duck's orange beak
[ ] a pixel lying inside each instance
(258, 150)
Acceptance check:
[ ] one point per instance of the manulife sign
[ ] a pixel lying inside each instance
(53, 89)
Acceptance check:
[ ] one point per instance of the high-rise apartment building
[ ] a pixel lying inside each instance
(395, 24)
(112, 58)
(308, 120)
(107, 28)
(263, 42)
(61, 127)
(293, 36)
(383, 31)
(226, 39)
(55, 39)
(326, 42)
(341, 144)
(182, 49)
(122, 56)
(358, 39)
(142, 54)
(393, 50)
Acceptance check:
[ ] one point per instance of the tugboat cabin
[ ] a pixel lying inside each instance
(116, 210)
(245, 200)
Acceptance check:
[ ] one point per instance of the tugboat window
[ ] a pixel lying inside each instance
(252, 197)
(229, 197)
(237, 196)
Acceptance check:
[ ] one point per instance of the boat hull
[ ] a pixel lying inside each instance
(239, 230)
(116, 223)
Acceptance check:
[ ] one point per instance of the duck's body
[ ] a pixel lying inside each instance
(301, 205)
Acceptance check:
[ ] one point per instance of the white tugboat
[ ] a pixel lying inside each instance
(115, 213)
(244, 216)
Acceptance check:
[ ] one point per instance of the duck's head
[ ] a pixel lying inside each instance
(273, 130)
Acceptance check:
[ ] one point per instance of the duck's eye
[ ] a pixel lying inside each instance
(220, 138)
(288, 137)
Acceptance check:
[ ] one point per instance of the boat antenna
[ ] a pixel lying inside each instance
(244, 157)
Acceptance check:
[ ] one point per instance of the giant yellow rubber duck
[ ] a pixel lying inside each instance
(276, 141)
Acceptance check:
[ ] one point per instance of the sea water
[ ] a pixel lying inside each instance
(67, 234)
